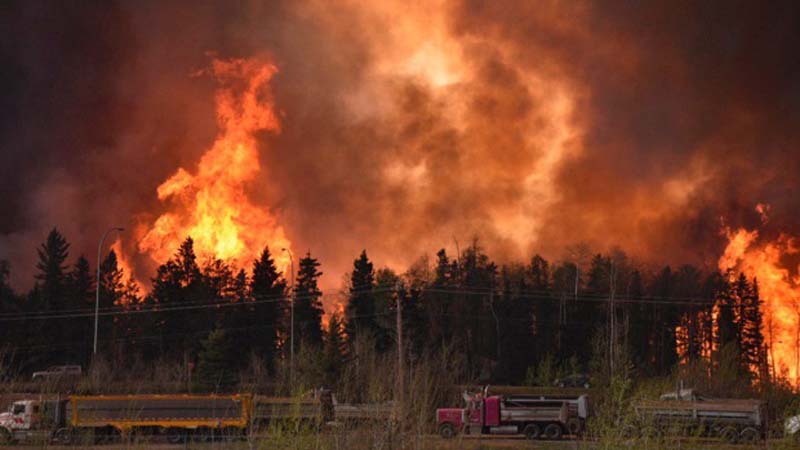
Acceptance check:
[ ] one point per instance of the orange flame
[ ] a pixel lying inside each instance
(125, 265)
(212, 205)
(779, 291)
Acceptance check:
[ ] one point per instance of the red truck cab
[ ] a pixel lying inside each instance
(533, 416)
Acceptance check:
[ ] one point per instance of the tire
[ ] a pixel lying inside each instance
(64, 436)
(532, 431)
(5, 437)
(749, 435)
(729, 434)
(575, 426)
(202, 434)
(175, 435)
(447, 431)
(553, 431)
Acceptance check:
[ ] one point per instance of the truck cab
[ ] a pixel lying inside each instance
(31, 420)
(21, 418)
(22, 415)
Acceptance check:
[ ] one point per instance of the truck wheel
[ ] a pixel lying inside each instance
(6, 437)
(176, 435)
(532, 431)
(729, 434)
(749, 434)
(63, 436)
(553, 431)
(575, 426)
(447, 430)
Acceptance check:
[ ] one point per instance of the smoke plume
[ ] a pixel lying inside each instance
(406, 127)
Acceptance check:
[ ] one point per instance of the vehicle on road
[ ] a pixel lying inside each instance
(93, 419)
(176, 418)
(536, 417)
(689, 413)
(578, 380)
(58, 373)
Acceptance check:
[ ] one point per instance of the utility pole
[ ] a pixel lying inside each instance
(400, 387)
(291, 307)
(612, 333)
(97, 291)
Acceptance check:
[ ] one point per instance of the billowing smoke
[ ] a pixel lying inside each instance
(406, 127)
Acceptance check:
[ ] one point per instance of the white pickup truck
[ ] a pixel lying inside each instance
(57, 373)
(792, 427)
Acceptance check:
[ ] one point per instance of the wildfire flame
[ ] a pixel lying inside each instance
(212, 205)
(779, 291)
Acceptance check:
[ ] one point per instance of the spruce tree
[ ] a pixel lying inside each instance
(81, 292)
(111, 334)
(179, 281)
(726, 315)
(49, 294)
(360, 309)
(666, 320)
(11, 334)
(266, 312)
(540, 307)
(216, 371)
(335, 348)
(384, 321)
(308, 303)
(753, 345)
(437, 300)
(52, 270)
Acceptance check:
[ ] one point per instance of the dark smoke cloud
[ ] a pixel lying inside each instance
(680, 113)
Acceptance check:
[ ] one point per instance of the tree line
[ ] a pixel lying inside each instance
(513, 323)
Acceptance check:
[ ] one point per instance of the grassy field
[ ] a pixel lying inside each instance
(366, 439)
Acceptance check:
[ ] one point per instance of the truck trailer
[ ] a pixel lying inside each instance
(537, 417)
(85, 419)
(687, 412)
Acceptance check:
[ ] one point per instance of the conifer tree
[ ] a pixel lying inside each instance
(308, 303)
(52, 270)
(81, 294)
(666, 320)
(360, 309)
(753, 345)
(539, 305)
(437, 302)
(216, 371)
(266, 312)
(335, 348)
(179, 281)
(10, 333)
(49, 294)
(726, 316)
(111, 334)
(384, 322)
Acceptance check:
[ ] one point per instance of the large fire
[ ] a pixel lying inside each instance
(779, 291)
(212, 204)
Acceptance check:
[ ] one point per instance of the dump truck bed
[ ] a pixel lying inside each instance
(748, 412)
(128, 411)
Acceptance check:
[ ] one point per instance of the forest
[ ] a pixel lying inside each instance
(518, 324)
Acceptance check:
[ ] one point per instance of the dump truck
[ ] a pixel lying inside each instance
(537, 417)
(85, 419)
(687, 412)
